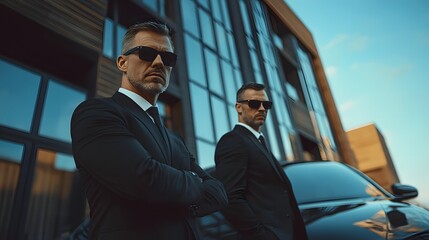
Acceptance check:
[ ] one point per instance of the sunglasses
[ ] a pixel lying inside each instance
(256, 104)
(149, 54)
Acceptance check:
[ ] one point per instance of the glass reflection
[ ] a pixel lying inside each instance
(207, 28)
(10, 163)
(195, 60)
(189, 16)
(221, 41)
(228, 80)
(108, 38)
(226, 19)
(274, 145)
(120, 33)
(328, 181)
(220, 117)
(18, 96)
(214, 73)
(205, 154)
(53, 194)
(201, 113)
(59, 105)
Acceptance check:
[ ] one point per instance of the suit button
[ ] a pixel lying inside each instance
(287, 215)
(285, 191)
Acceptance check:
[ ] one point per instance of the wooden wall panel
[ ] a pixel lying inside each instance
(108, 79)
(82, 21)
(293, 23)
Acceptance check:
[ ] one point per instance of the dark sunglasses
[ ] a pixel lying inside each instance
(255, 104)
(149, 54)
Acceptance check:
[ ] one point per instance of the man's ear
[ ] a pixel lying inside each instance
(238, 108)
(122, 63)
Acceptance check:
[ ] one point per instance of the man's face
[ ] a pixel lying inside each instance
(146, 78)
(255, 118)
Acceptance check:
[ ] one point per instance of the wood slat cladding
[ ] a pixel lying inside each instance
(293, 23)
(81, 21)
(108, 79)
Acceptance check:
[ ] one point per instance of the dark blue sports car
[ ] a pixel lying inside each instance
(340, 203)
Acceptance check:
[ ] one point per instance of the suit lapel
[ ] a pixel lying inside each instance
(271, 159)
(140, 114)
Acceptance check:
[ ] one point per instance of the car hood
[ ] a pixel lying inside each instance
(382, 219)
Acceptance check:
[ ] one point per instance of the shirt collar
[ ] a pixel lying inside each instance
(143, 103)
(253, 131)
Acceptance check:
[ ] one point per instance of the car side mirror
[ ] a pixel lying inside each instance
(403, 192)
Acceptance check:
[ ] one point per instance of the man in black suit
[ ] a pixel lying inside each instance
(140, 180)
(261, 202)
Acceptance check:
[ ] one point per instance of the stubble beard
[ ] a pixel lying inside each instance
(148, 87)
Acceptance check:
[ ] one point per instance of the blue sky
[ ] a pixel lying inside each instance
(376, 58)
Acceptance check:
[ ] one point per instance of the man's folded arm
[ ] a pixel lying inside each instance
(105, 149)
(214, 198)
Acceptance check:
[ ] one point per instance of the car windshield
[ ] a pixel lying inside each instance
(327, 181)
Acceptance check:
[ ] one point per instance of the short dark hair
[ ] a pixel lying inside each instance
(132, 31)
(250, 85)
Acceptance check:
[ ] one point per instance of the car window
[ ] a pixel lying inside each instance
(325, 181)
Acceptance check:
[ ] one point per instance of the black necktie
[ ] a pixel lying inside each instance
(153, 112)
(262, 140)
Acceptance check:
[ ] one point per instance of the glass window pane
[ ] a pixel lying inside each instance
(205, 154)
(65, 162)
(274, 145)
(225, 13)
(18, 96)
(59, 105)
(189, 16)
(228, 80)
(328, 181)
(195, 61)
(108, 38)
(56, 200)
(287, 145)
(206, 23)
(10, 158)
(232, 50)
(255, 61)
(204, 3)
(221, 41)
(292, 92)
(258, 77)
(215, 81)
(119, 36)
(201, 112)
(245, 18)
(152, 4)
(238, 78)
(216, 10)
(233, 117)
(220, 117)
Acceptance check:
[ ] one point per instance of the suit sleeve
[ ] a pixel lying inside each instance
(105, 149)
(231, 165)
(214, 198)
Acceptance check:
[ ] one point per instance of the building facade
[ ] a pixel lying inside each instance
(55, 54)
(372, 155)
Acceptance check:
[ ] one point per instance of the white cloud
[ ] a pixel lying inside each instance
(359, 43)
(392, 72)
(352, 43)
(382, 70)
(330, 71)
(338, 40)
(347, 106)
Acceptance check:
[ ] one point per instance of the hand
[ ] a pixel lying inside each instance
(201, 180)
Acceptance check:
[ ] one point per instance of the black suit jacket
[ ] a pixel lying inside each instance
(137, 185)
(261, 202)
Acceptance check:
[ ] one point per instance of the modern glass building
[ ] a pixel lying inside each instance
(54, 54)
